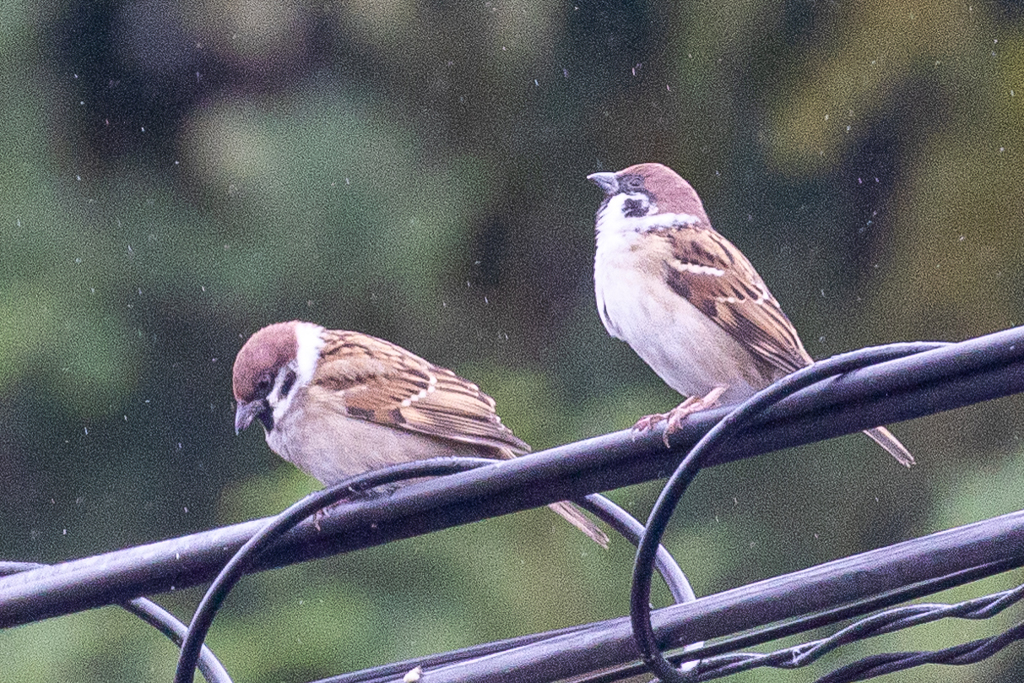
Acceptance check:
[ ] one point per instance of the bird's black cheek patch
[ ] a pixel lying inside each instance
(288, 383)
(634, 208)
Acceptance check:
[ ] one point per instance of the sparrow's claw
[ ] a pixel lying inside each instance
(648, 422)
(675, 417)
(320, 514)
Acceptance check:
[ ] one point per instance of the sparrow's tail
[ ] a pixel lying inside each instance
(575, 516)
(884, 438)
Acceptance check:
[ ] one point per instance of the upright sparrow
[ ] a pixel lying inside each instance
(687, 300)
(336, 404)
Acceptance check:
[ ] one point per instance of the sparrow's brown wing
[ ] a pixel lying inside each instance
(382, 382)
(713, 275)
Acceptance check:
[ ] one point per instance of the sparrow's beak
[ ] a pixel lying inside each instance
(608, 183)
(245, 413)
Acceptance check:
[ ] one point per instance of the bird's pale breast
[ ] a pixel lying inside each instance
(688, 350)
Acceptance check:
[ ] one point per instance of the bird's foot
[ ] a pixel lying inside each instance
(675, 417)
(649, 421)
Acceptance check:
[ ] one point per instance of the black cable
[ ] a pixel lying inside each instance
(606, 510)
(721, 658)
(847, 587)
(632, 530)
(978, 369)
(157, 617)
(282, 523)
(615, 516)
(150, 612)
(713, 440)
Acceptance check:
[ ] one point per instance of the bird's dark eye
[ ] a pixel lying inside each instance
(633, 183)
(634, 208)
(264, 384)
(286, 385)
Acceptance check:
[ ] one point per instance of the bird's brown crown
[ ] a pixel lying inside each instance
(664, 186)
(259, 359)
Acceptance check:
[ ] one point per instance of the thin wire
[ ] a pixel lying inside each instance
(154, 615)
(944, 379)
(632, 530)
(619, 520)
(262, 539)
(718, 658)
(605, 509)
(886, 622)
(713, 440)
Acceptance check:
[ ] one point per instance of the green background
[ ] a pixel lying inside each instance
(175, 176)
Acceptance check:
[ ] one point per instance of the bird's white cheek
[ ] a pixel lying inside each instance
(309, 342)
(620, 213)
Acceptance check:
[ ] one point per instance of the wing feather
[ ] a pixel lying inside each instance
(382, 382)
(720, 281)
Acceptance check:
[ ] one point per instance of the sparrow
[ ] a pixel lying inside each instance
(687, 300)
(336, 404)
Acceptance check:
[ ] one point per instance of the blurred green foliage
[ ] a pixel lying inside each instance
(175, 177)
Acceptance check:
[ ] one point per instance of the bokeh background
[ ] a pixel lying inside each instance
(176, 175)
